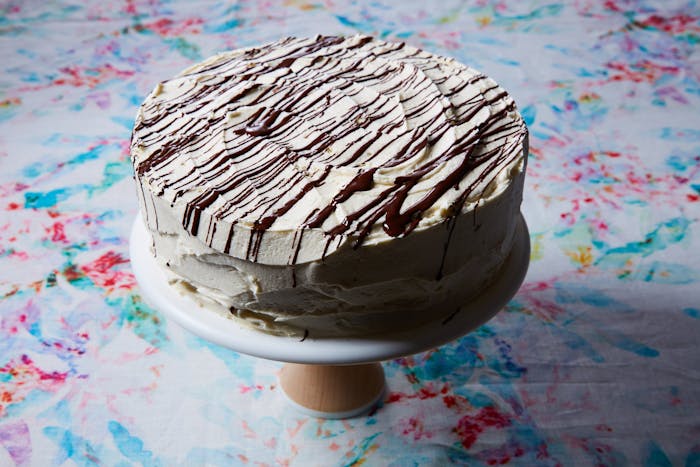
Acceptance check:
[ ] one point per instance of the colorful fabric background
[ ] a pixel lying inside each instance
(595, 362)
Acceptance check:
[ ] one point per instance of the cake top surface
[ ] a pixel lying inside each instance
(305, 145)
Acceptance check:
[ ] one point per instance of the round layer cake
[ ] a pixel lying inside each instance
(330, 185)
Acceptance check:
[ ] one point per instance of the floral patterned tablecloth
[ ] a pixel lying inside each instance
(595, 362)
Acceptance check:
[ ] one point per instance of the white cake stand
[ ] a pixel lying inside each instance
(328, 377)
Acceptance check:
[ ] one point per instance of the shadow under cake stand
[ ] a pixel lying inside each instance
(328, 377)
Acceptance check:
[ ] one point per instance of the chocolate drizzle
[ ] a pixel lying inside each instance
(251, 137)
(362, 182)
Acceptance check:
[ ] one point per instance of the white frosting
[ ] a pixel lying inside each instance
(335, 185)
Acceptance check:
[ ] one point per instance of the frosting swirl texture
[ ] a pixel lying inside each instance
(284, 153)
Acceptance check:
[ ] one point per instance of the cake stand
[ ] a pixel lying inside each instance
(328, 377)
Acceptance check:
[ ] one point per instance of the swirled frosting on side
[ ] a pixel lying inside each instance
(284, 153)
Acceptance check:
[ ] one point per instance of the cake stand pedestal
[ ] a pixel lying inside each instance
(333, 391)
(327, 377)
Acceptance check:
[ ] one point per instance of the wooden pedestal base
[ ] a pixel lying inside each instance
(333, 391)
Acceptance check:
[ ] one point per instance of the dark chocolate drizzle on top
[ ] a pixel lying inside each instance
(263, 170)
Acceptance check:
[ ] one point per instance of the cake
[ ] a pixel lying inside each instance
(330, 186)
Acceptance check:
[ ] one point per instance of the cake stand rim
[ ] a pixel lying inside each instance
(217, 328)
